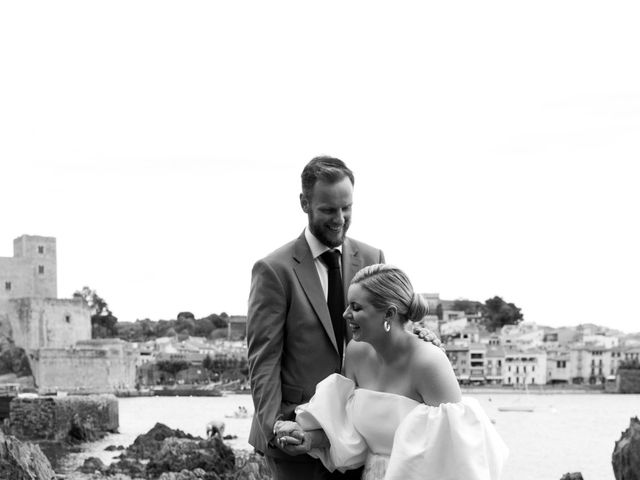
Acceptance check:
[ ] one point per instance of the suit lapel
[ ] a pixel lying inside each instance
(351, 264)
(307, 274)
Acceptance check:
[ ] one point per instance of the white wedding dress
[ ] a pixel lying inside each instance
(397, 438)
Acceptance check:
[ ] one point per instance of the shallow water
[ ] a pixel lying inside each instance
(567, 432)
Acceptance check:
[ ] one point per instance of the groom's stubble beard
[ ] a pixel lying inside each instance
(322, 231)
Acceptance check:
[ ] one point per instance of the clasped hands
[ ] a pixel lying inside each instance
(291, 438)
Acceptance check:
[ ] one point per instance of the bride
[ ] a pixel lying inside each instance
(398, 410)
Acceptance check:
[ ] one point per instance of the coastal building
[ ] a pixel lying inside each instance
(459, 357)
(525, 335)
(449, 315)
(558, 366)
(477, 372)
(591, 364)
(237, 327)
(452, 328)
(601, 340)
(494, 361)
(524, 367)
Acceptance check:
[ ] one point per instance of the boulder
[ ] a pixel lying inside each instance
(626, 453)
(127, 466)
(178, 454)
(572, 476)
(23, 461)
(251, 466)
(92, 465)
(146, 445)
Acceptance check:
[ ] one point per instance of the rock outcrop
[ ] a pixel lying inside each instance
(626, 453)
(23, 461)
(572, 476)
(71, 418)
(166, 454)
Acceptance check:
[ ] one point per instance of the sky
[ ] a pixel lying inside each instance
(495, 145)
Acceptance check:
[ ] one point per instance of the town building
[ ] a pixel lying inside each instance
(494, 362)
(459, 357)
(524, 367)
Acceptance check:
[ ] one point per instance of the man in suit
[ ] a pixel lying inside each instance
(292, 342)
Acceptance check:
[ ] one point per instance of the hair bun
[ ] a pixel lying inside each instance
(418, 308)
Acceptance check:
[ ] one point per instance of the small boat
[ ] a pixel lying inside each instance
(516, 408)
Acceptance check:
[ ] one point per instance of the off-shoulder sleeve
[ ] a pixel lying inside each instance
(452, 441)
(329, 409)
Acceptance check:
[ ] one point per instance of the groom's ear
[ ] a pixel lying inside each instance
(304, 203)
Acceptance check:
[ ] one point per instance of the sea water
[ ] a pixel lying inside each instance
(566, 432)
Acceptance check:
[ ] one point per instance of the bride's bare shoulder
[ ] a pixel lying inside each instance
(434, 375)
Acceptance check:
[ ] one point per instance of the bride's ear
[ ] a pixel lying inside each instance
(391, 312)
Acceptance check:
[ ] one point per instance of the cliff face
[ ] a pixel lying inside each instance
(23, 461)
(626, 453)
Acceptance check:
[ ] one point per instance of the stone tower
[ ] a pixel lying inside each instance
(31, 314)
(32, 271)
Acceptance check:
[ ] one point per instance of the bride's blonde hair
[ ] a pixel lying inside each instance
(389, 286)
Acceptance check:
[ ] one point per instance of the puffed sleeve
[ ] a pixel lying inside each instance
(451, 441)
(330, 410)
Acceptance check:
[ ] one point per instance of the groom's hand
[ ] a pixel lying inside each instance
(289, 437)
(428, 336)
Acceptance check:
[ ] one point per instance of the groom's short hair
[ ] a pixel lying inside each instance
(325, 168)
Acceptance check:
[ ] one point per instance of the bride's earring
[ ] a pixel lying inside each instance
(387, 326)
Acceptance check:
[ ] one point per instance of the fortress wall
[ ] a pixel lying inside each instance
(48, 322)
(91, 367)
(52, 418)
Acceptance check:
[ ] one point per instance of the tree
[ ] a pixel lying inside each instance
(470, 307)
(172, 367)
(498, 313)
(103, 322)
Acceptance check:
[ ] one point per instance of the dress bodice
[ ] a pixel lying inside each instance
(377, 415)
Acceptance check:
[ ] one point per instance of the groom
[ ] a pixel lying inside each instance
(293, 344)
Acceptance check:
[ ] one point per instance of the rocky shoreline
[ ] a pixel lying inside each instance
(167, 454)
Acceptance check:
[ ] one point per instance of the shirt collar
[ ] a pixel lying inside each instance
(316, 246)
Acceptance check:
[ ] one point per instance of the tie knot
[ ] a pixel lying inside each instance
(331, 259)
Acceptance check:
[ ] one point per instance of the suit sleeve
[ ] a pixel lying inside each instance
(265, 333)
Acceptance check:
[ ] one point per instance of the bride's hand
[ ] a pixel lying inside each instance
(288, 434)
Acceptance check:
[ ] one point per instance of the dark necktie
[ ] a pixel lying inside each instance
(335, 297)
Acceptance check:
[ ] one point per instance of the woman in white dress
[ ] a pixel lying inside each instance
(398, 409)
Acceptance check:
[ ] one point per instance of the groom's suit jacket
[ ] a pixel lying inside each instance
(291, 344)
